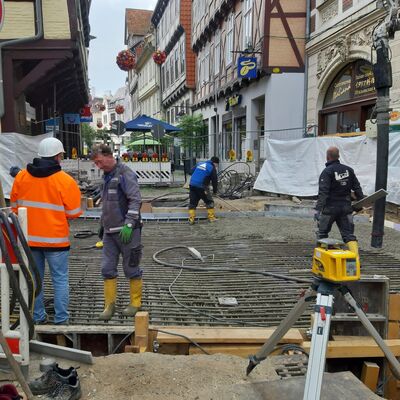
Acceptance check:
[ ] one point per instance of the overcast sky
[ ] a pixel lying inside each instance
(107, 23)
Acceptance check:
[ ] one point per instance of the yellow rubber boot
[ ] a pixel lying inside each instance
(192, 216)
(136, 298)
(353, 246)
(110, 297)
(211, 215)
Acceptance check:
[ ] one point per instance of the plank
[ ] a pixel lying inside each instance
(370, 374)
(243, 350)
(224, 335)
(358, 348)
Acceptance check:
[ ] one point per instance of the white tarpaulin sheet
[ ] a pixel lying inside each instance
(16, 150)
(293, 167)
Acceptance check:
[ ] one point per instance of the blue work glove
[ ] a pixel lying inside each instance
(317, 216)
(126, 233)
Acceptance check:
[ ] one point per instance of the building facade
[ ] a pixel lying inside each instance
(137, 26)
(172, 20)
(148, 78)
(46, 74)
(341, 93)
(240, 111)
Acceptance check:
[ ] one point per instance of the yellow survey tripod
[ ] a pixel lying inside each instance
(333, 265)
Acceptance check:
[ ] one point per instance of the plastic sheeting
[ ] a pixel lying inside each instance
(16, 150)
(293, 167)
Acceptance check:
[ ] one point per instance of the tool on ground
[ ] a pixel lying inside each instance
(323, 290)
(97, 245)
(369, 200)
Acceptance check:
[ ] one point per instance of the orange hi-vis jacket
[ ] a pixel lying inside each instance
(50, 200)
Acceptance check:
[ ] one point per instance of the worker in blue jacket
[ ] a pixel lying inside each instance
(203, 173)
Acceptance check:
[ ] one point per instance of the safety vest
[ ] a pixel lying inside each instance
(50, 202)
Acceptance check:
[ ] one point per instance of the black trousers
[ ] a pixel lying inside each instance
(343, 219)
(196, 194)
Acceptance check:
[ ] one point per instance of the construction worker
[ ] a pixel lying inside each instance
(203, 173)
(336, 183)
(121, 225)
(51, 197)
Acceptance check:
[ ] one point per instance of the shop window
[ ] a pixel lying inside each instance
(349, 100)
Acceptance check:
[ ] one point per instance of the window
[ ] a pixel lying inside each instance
(217, 52)
(182, 57)
(112, 117)
(172, 66)
(104, 119)
(229, 39)
(247, 23)
(176, 63)
(207, 64)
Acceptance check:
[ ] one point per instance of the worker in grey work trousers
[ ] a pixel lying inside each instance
(120, 230)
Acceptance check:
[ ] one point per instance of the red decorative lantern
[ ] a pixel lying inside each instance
(159, 57)
(102, 107)
(119, 109)
(99, 125)
(126, 60)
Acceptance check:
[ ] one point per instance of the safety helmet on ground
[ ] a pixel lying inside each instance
(50, 147)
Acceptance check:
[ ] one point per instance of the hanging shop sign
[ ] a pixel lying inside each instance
(233, 101)
(86, 114)
(247, 67)
(52, 125)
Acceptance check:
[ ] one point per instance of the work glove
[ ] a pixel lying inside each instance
(126, 233)
(100, 232)
(14, 171)
(317, 216)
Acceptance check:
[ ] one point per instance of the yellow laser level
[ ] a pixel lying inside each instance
(334, 262)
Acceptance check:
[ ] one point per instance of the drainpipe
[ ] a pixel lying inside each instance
(39, 35)
(308, 27)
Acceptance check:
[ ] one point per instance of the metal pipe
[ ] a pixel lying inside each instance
(38, 35)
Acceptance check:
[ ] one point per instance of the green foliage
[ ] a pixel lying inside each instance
(103, 135)
(193, 134)
(88, 134)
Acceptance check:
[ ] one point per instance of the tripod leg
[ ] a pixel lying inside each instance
(281, 330)
(319, 341)
(394, 363)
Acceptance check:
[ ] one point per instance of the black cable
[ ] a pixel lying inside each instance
(84, 234)
(28, 252)
(14, 284)
(222, 269)
(122, 341)
(182, 336)
(284, 349)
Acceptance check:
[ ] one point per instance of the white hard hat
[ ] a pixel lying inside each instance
(50, 147)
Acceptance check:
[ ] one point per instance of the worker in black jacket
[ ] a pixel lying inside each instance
(336, 183)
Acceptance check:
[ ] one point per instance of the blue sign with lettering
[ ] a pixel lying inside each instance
(247, 67)
(72, 119)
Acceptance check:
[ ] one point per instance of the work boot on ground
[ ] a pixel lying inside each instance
(70, 390)
(51, 379)
(211, 215)
(135, 291)
(110, 297)
(192, 217)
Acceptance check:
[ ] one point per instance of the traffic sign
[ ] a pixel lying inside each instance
(118, 127)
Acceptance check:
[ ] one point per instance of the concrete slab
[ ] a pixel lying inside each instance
(340, 385)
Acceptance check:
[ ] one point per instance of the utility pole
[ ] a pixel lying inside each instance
(383, 82)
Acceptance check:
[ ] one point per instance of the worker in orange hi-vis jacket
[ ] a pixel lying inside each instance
(51, 197)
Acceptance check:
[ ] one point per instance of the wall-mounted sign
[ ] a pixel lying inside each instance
(72, 119)
(364, 80)
(247, 67)
(233, 101)
(52, 125)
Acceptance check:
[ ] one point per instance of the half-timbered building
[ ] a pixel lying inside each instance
(229, 38)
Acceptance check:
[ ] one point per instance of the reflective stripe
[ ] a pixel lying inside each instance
(48, 239)
(112, 191)
(38, 204)
(71, 212)
(133, 212)
(13, 204)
